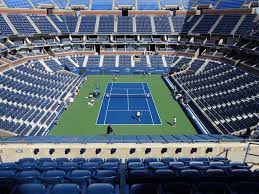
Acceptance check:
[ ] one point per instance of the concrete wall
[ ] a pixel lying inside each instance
(236, 151)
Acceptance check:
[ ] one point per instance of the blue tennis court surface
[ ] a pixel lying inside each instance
(122, 101)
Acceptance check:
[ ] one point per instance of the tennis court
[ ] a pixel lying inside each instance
(121, 102)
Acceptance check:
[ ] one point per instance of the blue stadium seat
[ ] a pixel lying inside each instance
(178, 166)
(61, 160)
(79, 160)
(68, 166)
(92, 166)
(27, 176)
(53, 176)
(167, 160)
(47, 166)
(100, 188)
(66, 189)
(143, 188)
(177, 187)
(31, 189)
(106, 176)
(136, 166)
(157, 165)
(80, 176)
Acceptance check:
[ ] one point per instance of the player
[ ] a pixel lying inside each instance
(138, 115)
(115, 78)
(109, 130)
(174, 122)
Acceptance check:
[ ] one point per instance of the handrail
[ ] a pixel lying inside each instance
(247, 151)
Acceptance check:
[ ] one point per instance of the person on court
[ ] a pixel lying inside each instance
(138, 115)
(174, 122)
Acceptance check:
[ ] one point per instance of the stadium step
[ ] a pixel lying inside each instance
(10, 24)
(97, 24)
(101, 61)
(132, 61)
(134, 24)
(73, 62)
(33, 24)
(117, 61)
(115, 24)
(238, 24)
(78, 24)
(148, 61)
(215, 24)
(45, 66)
(164, 61)
(85, 61)
(196, 24)
(171, 24)
(153, 25)
(53, 24)
(202, 67)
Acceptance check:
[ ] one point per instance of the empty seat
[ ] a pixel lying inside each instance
(164, 175)
(110, 166)
(129, 160)
(80, 176)
(26, 160)
(27, 176)
(113, 160)
(167, 160)
(176, 188)
(96, 160)
(157, 165)
(53, 176)
(143, 188)
(65, 189)
(215, 173)
(177, 166)
(28, 166)
(6, 175)
(184, 159)
(79, 160)
(136, 166)
(30, 189)
(198, 165)
(148, 160)
(92, 166)
(68, 166)
(61, 160)
(100, 188)
(190, 173)
(44, 166)
(9, 166)
(239, 165)
(106, 176)
(42, 160)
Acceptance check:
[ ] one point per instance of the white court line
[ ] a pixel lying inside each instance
(128, 99)
(155, 105)
(148, 104)
(128, 110)
(107, 108)
(101, 105)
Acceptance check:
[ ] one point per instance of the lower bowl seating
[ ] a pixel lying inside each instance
(142, 176)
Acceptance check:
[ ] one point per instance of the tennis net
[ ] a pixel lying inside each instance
(144, 95)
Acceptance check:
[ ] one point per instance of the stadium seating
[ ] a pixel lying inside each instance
(106, 25)
(40, 111)
(147, 175)
(223, 102)
(143, 25)
(87, 24)
(125, 25)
